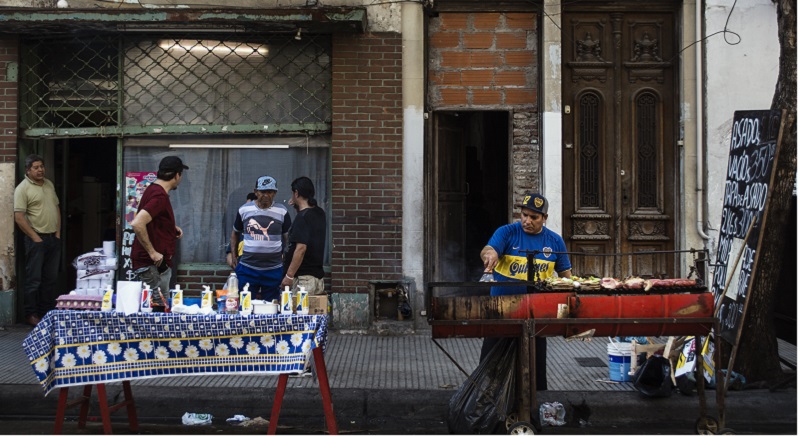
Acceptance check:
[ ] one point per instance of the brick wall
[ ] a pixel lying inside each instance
(367, 148)
(9, 57)
(483, 59)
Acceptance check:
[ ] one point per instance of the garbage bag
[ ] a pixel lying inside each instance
(653, 378)
(486, 398)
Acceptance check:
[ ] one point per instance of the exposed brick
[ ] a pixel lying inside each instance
(486, 97)
(520, 58)
(481, 40)
(453, 21)
(454, 96)
(521, 96)
(444, 40)
(454, 59)
(511, 40)
(477, 77)
(484, 21)
(520, 21)
(485, 59)
(509, 78)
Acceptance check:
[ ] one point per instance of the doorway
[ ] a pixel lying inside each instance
(470, 162)
(84, 172)
(619, 132)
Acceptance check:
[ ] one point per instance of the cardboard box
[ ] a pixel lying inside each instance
(317, 304)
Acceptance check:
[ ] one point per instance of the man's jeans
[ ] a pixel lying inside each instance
(150, 276)
(41, 274)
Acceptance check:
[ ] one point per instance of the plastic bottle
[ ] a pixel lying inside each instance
(146, 305)
(206, 297)
(177, 296)
(287, 304)
(244, 296)
(301, 308)
(232, 299)
(108, 298)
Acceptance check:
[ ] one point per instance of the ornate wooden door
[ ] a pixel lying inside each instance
(620, 141)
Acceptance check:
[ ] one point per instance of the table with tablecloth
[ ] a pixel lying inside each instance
(85, 348)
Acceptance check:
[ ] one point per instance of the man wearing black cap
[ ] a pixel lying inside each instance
(155, 229)
(506, 257)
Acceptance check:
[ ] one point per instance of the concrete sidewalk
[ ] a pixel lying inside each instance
(375, 378)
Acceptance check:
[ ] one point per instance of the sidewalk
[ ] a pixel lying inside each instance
(374, 377)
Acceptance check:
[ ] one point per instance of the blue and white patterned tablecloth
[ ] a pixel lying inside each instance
(70, 348)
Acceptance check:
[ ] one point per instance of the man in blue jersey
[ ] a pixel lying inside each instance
(506, 256)
(264, 225)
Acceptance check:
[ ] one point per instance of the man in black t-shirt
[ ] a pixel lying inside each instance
(302, 263)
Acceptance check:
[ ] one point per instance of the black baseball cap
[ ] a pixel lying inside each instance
(172, 164)
(535, 202)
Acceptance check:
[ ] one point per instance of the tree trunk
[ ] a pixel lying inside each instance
(757, 356)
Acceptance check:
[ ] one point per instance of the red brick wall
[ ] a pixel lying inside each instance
(367, 159)
(483, 59)
(9, 55)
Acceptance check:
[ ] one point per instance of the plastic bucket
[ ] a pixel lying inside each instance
(619, 361)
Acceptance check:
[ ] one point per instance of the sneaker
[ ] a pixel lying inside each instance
(306, 373)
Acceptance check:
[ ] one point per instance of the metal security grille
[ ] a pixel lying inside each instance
(146, 84)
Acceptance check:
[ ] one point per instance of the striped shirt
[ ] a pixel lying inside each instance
(262, 231)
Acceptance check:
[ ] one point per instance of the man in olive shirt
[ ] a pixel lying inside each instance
(37, 214)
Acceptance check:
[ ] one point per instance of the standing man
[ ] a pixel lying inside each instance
(264, 225)
(155, 229)
(37, 214)
(506, 256)
(303, 261)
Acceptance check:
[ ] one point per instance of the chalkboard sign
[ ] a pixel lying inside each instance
(752, 152)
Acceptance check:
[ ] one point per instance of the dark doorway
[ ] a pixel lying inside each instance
(471, 173)
(84, 172)
(85, 179)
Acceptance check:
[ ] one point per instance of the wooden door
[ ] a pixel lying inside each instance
(619, 136)
(451, 197)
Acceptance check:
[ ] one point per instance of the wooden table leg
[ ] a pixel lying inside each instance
(105, 414)
(133, 421)
(61, 410)
(276, 403)
(325, 391)
(84, 413)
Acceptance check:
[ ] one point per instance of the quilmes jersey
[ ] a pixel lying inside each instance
(262, 231)
(511, 244)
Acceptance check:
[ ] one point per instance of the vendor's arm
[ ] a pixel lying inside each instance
(139, 224)
(489, 257)
(567, 273)
(234, 255)
(297, 260)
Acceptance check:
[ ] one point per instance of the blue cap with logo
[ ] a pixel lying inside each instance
(266, 183)
(535, 202)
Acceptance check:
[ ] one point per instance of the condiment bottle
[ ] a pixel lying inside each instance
(108, 297)
(206, 297)
(177, 296)
(286, 301)
(244, 296)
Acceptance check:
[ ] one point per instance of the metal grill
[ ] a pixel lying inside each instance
(166, 84)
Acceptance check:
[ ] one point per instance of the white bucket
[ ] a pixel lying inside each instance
(619, 361)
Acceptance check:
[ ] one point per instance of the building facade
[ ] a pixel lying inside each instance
(422, 125)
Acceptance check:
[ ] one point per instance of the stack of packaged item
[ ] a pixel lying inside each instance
(96, 270)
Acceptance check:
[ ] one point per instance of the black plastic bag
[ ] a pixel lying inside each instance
(653, 378)
(484, 400)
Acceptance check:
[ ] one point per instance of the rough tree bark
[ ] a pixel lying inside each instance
(757, 357)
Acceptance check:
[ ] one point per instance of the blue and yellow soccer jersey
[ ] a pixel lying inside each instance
(511, 244)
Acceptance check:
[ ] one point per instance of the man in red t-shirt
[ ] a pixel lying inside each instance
(155, 229)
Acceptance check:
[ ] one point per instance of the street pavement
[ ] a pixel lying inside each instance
(395, 385)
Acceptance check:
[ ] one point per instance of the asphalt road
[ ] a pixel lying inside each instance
(377, 426)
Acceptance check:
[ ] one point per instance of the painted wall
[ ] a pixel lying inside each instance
(738, 77)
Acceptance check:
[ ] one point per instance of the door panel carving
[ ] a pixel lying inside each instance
(619, 166)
